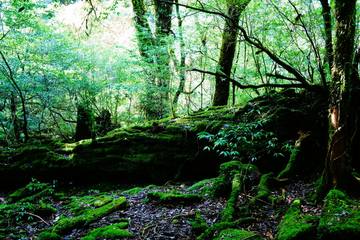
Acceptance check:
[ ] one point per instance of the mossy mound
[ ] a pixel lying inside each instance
(113, 231)
(340, 218)
(23, 206)
(65, 224)
(212, 187)
(133, 191)
(284, 115)
(150, 152)
(237, 234)
(174, 198)
(297, 226)
(31, 191)
(79, 205)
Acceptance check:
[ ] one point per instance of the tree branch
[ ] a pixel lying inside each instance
(252, 86)
(279, 76)
(256, 43)
(312, 43)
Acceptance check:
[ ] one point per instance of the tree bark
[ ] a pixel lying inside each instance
(163, 14)
(326, 13)
(13, 82)
(14, 119)
(182, 71)
(343, 99)
(227, 52)
(144, 36)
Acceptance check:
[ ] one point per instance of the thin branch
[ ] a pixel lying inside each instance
(202, 9)
(279, 76)
(242, 86)
(10, 73)
(38, 217)
(312, 43)
(4, 35)
(61, 116)
(255, 42)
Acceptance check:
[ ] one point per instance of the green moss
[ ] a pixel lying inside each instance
(66, 224)
(212, 187)
(198, 224)
(217, 227)
(340, 218)
(295, 225)
(48, 236)
(173, 198)
(79, 204)
(228, 213)
(31, 189)
(133, 191)
(17, 213)
(113, 231)
(237, 234)
(233, 167)
(291, 165)
(264, 191)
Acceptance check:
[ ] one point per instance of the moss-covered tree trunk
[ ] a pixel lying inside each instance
(14, 119)
(154, 48)
(227, 52)
(182, 71)
(163, 14)
(344, 98)
(144, 35)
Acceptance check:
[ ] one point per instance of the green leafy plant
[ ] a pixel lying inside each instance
(245, 139)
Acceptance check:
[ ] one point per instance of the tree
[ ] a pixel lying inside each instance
(154, 48)
(227, 52)
(344, 99)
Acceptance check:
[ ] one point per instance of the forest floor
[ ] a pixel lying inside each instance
(157, 221)
(268, 192)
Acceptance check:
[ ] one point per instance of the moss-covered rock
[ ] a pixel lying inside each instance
(78, 205)
(237, 234)
(174, 198)
(136, 153)
(212, 187)
(297, 226)
(340, 218)
(113, 231)
(133, 191)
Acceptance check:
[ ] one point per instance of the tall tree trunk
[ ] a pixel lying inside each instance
(227, 52)
(11, 77)
(155, 50)
(344, 95)
(163, 14)
(182, 72)
(326, 13)
(14, 119)
(144, 36)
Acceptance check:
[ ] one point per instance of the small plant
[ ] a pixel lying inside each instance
(233, 142)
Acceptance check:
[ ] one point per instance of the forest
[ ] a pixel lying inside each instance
(180, 119)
